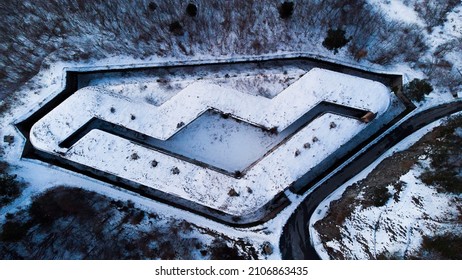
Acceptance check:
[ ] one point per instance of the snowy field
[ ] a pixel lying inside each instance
(223, 142)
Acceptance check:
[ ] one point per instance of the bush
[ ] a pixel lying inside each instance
(380, 196)
(417, 89)
(219, 250)
(445, 158)
(176, 28)
(443, 247)
(191, 10)
(434, 13)
(335, 40)
(444, 180)
(62, 202)
(267, 248)
(286, 10)
(180, 125)
(152, 6)
(10, 188)
(13, 231)
(232, 192)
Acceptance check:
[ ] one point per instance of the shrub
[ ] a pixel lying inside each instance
(297, 153)
(267, 248)
(274, 130)
(389, 256)
(445, 158)
(219, 250)
(13, 231)
(335, 40)
(10, 188)
(257, 46)
(175, 171)
(176, 28)
(167, 251)
(380, 196)
(286, 10)
(152, 6)
(191, 10)
(444, 180)
(417, 89)
(233, 192)
(443, 247)
(180, 125)
(62, 202)
(434, 13)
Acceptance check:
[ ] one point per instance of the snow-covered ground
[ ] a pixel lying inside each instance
(397, 10)
(397, 228)
(268, 177)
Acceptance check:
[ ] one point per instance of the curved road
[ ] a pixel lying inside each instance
(295, 240)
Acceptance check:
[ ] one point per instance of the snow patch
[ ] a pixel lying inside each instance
(397, 10)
